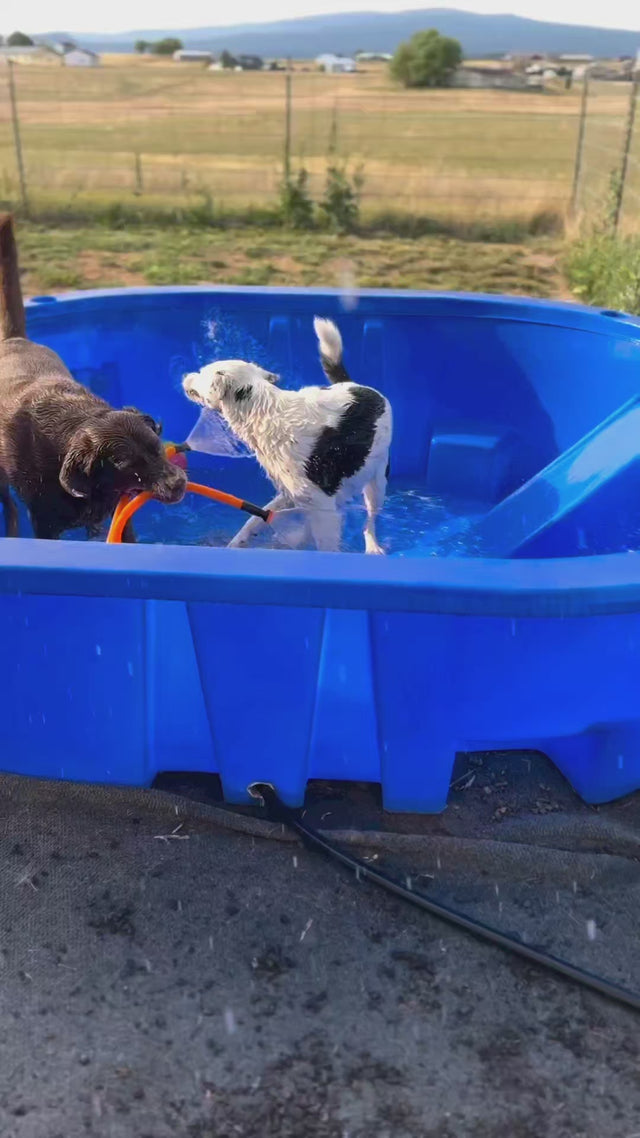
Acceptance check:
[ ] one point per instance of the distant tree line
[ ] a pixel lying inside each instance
(166, 46)
(17, 39)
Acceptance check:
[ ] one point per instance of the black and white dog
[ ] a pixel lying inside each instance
(320, 446)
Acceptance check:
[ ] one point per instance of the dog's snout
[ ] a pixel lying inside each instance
(172, 487)
(190, 388)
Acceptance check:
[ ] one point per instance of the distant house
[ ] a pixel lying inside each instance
(81, 57)
(336, 64)
(570, 57)
(184, 55)
(499, 78)
(373, 56)
(37, 53)
(70, 55)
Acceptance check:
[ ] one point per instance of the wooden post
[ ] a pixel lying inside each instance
(17, 139)
(139, 182)
(628, 139)
(577, 166)
(287, 122)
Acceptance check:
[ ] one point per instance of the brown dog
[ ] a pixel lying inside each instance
(67, 453)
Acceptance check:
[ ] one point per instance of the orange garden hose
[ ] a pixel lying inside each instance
(127, 506)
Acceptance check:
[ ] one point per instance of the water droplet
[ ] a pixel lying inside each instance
(230, 1022)
(591, 929)
(620, 762)
(98, 650)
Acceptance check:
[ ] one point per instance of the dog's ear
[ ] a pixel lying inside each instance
(76, 469)
(155, 425)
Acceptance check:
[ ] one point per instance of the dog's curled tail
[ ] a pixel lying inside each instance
(12, 319)
(330, 342)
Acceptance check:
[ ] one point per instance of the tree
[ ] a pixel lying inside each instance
(141, 46)
(18, 39)
(427, 60)
(167, 46)
(227, 60)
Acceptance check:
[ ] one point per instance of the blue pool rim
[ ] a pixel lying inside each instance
(571, 587)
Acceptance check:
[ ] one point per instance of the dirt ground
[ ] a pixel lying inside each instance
(165, 975)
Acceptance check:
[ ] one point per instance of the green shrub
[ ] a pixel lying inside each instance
(340, 206)
(604, 268)
(296, 205)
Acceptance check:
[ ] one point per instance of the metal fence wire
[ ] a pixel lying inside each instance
(167, 135)
(606, 185)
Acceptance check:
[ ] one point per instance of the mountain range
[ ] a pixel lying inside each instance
(345, 33)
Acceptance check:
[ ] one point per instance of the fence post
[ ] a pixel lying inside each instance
(17, 140)
(139, 181)
(332, 148)
(628, 139)
(287, 123)
(577, 166)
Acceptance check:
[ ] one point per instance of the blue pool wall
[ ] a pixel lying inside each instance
(274, 666)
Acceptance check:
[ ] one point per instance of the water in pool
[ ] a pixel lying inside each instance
(411, 525)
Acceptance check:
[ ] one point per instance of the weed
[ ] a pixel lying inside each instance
(340, 206)
(296, 205)
(604, 268)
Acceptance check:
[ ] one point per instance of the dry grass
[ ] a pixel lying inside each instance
(142, 126)
(439, 152)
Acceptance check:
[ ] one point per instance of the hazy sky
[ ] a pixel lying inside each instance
(123, 15)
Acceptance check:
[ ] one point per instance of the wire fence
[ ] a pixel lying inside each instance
(607, 169)
(169, 135)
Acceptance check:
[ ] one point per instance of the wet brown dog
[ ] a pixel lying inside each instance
(66, 453)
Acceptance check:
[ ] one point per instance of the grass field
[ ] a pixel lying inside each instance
(159, 132)
(72, 257)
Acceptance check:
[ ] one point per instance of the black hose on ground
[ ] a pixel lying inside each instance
(278, 812)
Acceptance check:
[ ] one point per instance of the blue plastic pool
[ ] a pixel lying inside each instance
(515, 421)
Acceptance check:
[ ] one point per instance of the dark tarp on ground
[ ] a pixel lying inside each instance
(168, 969)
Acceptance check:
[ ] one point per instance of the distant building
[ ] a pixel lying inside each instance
(336, 64)
(37, 53)
(184, 55)
(499, 78)
(373, 56)
(81, 57)
(570, 57)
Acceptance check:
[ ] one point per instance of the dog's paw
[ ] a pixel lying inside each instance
(373, 547)
(238, 543)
